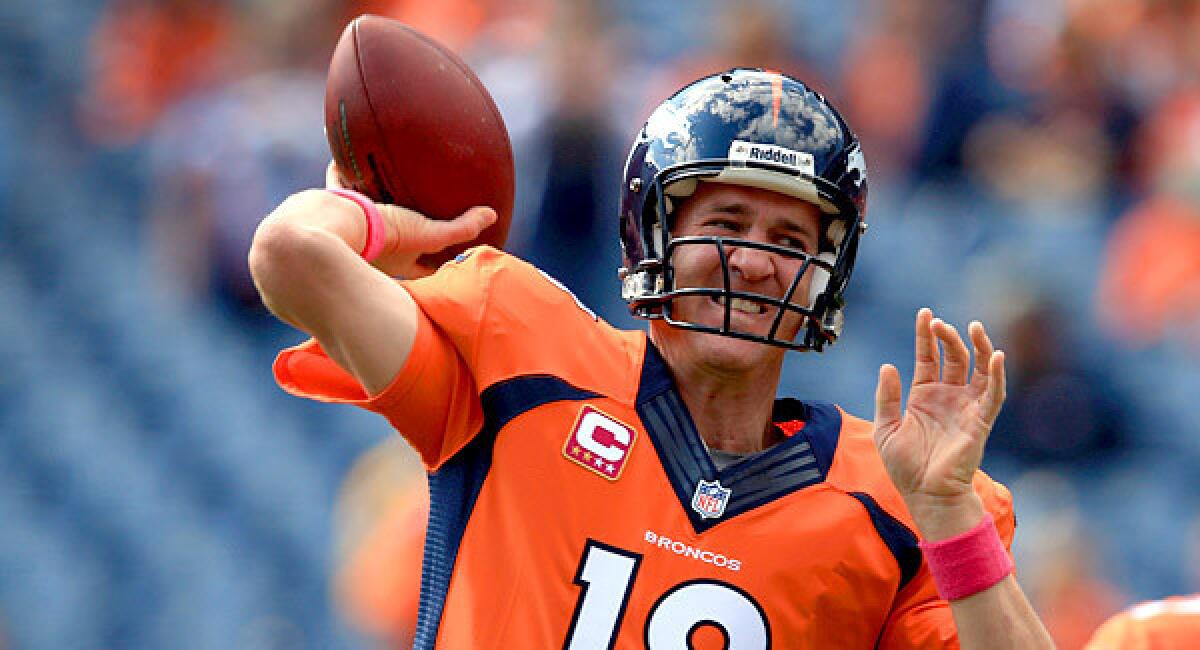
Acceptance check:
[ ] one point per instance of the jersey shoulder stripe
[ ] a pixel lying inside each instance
(455, 486)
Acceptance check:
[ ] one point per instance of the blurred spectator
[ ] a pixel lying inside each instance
(753, 34)
(963, 87)
(1151, 282)
(381, 516)
(147, 55)
(222, 160)
(885, 78)
(453, 23)
(1049, 166)
(1059, 110)
(1056, 412)
(1169, 624)
(575, 154)
(1059, 560)
(1070, 595)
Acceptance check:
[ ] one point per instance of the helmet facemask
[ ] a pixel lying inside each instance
(652, 290)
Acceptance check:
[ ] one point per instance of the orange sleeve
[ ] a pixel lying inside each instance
(432, 401)
(921, 619)
(1117, 634)
(1169, 623)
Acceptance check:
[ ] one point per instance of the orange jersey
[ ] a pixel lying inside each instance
(574, 505)
(1170, 624)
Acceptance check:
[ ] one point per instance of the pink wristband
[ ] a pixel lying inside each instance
(375, 229)
(969, 562)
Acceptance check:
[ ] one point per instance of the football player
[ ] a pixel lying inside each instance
(597, 488)
(1168, 624)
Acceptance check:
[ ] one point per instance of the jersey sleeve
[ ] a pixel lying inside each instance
(1173, 622)
(1117, 634)
(432, 401)
(482, 318)
(920, 618)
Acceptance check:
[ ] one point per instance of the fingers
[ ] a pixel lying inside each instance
(983, 355)
(887, 398)
(958, 359)
(927, 367)
(420, 233)
(993, 397)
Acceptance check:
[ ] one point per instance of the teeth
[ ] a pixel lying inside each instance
(742, 305)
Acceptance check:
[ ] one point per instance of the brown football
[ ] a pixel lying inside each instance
(410, 124)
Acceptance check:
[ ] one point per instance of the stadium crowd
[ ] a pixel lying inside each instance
(1034, 162)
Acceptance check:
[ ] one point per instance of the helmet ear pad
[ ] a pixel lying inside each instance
(820, 277)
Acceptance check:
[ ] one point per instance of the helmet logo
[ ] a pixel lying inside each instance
(742, 151)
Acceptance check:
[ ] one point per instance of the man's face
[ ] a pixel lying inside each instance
(734, 211)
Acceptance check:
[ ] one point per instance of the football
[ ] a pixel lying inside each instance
(410, 124)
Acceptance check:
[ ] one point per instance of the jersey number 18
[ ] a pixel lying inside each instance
(606, 575)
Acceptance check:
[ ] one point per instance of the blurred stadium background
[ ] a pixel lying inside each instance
(1035, 163)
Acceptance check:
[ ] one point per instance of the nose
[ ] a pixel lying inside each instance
(752, 264)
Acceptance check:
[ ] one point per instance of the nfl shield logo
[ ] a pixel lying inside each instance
(710, 499)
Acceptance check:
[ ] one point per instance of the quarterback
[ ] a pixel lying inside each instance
(598, 488)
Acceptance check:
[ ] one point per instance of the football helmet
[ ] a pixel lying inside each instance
(755, 128)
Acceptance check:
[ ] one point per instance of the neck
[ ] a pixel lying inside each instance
(731, 408)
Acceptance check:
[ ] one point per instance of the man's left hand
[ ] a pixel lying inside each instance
(933, 448)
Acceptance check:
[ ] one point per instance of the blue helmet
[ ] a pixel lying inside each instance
(755, 128)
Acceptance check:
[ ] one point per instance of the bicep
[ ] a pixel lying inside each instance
(369, 329)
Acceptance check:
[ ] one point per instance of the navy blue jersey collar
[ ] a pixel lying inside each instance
(793, 464)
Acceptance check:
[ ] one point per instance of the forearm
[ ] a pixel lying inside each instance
(997, 617)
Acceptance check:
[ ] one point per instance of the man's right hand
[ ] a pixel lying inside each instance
(411, 234)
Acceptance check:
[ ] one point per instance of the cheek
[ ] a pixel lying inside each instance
(787, 274)
(695, 263)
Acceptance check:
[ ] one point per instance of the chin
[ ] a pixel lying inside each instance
(732, 354)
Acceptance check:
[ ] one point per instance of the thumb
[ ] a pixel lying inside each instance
(887, 398)
(430, 235)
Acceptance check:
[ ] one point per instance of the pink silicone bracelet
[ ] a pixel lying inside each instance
(969, 562)
(375, 229)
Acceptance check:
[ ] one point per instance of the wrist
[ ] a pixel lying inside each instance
(375, 235)
(941, 516)
(969, 562)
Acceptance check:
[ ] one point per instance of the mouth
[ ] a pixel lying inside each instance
(741, 305)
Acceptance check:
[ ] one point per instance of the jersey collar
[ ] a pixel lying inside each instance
(797, 462)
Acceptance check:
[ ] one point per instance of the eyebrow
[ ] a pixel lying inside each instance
(735, 208)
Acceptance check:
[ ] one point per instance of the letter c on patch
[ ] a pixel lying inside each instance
(592, 422)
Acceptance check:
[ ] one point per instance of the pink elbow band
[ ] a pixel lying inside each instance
(375, 229)
(969, 562)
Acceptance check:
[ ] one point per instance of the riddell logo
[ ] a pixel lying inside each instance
(773, 155)
(743, 151)
(599, 443)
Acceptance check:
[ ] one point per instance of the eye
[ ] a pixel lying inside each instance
(727, 225)
(794, 242)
